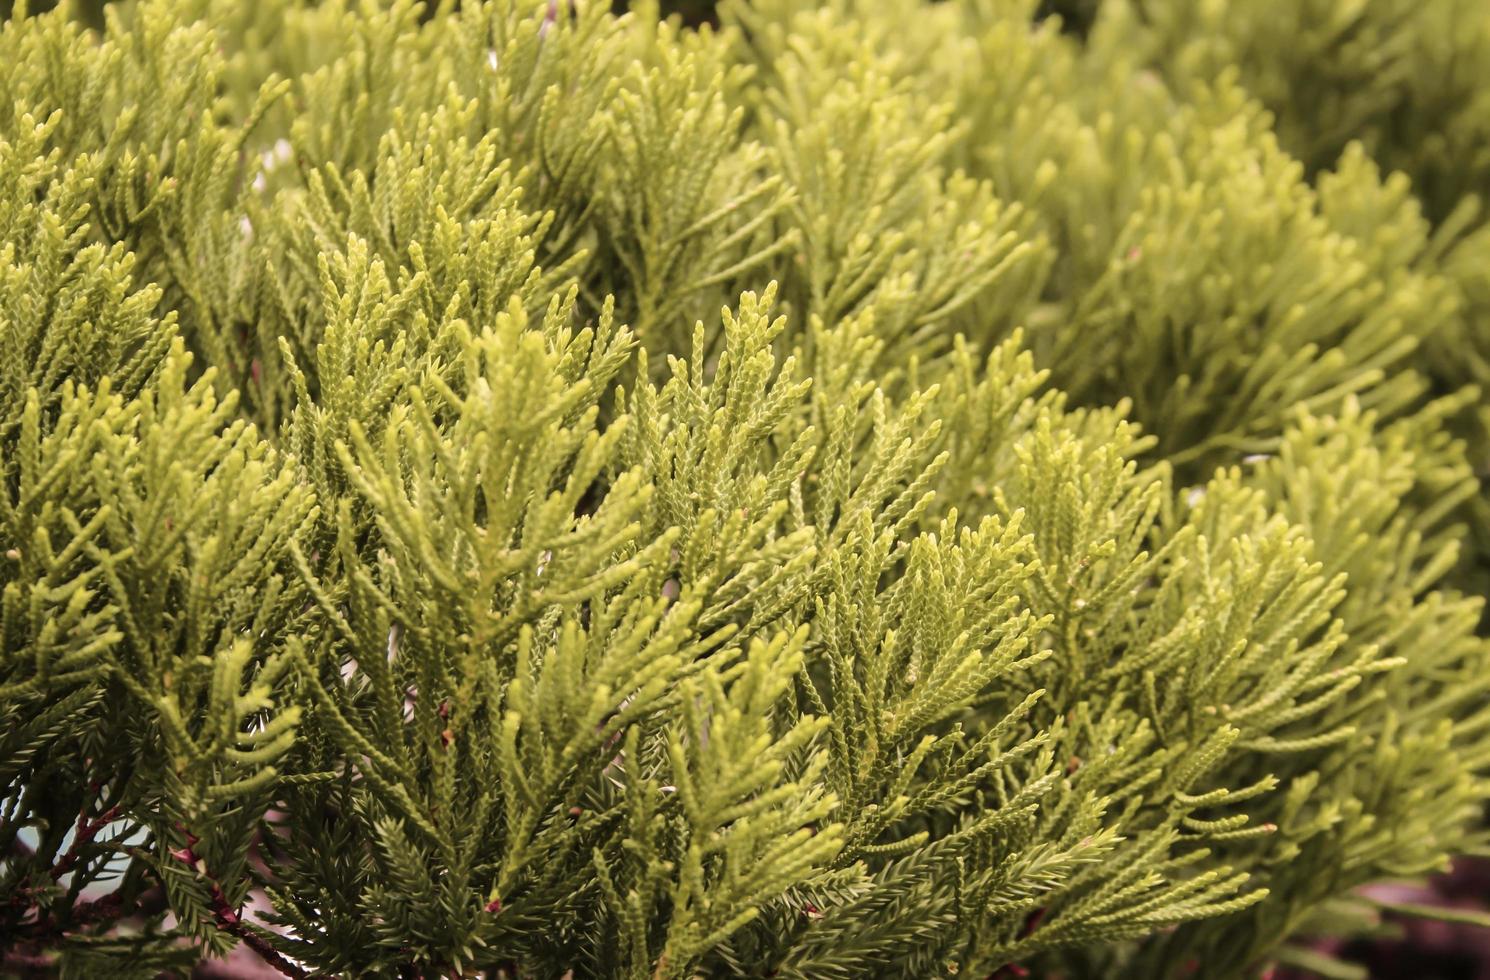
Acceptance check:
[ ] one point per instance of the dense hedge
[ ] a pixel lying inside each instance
(877, 488)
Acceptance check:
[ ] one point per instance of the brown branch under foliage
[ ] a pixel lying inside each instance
(29, 959)
(227, 919)
(14, 962)
(43, 925)
(84, 835)
(230, 922)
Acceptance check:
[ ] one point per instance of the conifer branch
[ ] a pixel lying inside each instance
(871, 489)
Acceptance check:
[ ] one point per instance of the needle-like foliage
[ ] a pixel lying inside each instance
(863, 489)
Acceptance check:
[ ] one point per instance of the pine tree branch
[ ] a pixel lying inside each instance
(227, 919)
(87, 830)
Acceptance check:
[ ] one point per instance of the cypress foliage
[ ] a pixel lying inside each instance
(860, 489)
(1403, 85)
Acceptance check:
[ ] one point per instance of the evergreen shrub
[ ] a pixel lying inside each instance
(862, 489)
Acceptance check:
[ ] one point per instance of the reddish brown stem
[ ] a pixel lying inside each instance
(26, 964)
(227, 919)
(87, 830)
(234, 926)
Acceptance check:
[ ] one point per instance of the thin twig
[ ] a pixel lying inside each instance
(231, 922)
(227, 918)
(87, 830)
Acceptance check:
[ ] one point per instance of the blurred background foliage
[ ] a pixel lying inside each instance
(692, 11)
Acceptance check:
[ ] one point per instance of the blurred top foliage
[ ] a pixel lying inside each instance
(881, 488)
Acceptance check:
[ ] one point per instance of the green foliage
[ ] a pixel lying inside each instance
(1394, 87)
(862, 489)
